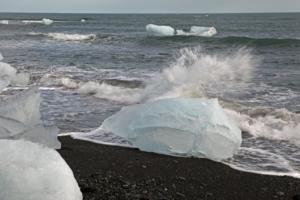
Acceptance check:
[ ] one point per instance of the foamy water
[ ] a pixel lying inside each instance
(195, 74)
(65, 36)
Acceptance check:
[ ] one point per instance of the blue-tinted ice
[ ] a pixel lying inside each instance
(181, 126)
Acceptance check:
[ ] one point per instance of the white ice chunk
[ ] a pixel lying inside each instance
(203, 31)
(20, 118)
(181, 126)
(47, 21)
(31, 171)
(198, 31)
(4, 22)
(155, 30)
(9, 75)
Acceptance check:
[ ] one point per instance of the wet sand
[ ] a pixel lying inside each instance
(108, 172)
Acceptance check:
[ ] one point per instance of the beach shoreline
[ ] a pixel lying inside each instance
(110, 172)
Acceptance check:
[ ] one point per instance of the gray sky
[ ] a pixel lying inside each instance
(149, 6)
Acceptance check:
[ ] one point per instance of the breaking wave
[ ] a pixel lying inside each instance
(259, 41)
(267, 131)
(66, 37)
(44, 21)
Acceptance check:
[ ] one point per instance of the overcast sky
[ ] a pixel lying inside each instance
(149, 6)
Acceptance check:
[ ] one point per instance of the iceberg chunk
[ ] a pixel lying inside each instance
(203, 31)
(155, 30)
(20, 118)
(179, 126)
(47, 21)
(31, 171)
(9, 75)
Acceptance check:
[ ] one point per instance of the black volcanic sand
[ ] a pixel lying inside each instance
(108, 172)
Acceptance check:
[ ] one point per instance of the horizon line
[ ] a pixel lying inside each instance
(135, 13)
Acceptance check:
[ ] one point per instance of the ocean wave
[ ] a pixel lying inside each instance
(163, 31)
(66, 37)
(270, 135)
(44, 21)
(258, 41)
(193, 74)
(226, 40)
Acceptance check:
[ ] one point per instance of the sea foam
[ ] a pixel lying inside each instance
(195, 74)
(66, 36)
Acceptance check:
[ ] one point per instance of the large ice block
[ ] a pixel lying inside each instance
(20, 118)
(156, 30)
(179, 126)
(30, 171)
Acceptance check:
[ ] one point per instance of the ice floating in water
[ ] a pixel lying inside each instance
(4, 22)
(66, 37)
(47, 21)
(198, 31)
(20, 118)
(9, 75)
(72, 37)
(33, 172)
(181, 126)
(44, 21)
(156, 30)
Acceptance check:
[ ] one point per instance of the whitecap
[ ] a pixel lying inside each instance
(44, 21)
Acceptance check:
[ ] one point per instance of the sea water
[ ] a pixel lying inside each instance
(88, 70)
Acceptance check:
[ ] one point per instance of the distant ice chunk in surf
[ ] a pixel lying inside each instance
(181, 126)
(20, 118)
(4, 22)
(31, 171)
(44, 21)
(155, 30)
(47, 21)
(9, 75)
(204, 31)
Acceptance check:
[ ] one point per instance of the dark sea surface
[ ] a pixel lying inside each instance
(89, 69)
